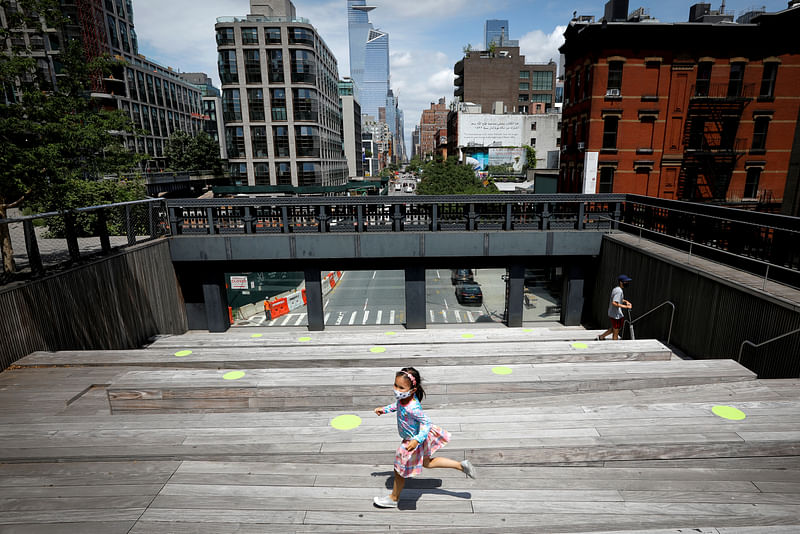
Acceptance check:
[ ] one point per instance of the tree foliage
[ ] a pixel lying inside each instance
(187, 153)
(450, 178)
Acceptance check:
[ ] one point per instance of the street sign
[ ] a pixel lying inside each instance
(239, 282)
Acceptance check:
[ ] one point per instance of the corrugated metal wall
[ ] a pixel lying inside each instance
(115, 303)
(712, 319)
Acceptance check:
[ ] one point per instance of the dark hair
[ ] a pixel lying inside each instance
(420, 394)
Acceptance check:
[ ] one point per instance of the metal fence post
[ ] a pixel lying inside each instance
(285, 219)
(435, 218)
(581, 215)
(32, 246)
(176, 228)
(210, 221)
(130, 230)
(71, 236)
(102, 230)
(360, 215)
(509, 217)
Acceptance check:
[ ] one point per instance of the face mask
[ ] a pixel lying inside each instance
(400, 395)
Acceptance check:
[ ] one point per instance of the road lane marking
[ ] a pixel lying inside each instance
(391, 317)
(326, 304)
(261, 320)
(365, 305)
(433, 320)
(366, 317)
(380, 316)
(444, 316)
(353, 318)
(374, 274)
(446, 307)
(300, 319)
(437, 274)
(458, 316)
(286, 320)
(340, 318)
(327, 316)
(471, 318)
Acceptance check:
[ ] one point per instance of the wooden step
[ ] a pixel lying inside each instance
(259, 355)
(176, 391)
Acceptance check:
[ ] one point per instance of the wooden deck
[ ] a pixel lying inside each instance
(576, 445)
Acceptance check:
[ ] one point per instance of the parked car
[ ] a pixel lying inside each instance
(469, 293)
(461, 275)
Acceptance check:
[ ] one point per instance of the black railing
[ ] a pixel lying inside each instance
(46, 240)
(403, 214)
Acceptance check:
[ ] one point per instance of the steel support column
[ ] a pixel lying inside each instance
(316, 312)
(516, 296)
(215, 302)
(415, 299)
(572, 300)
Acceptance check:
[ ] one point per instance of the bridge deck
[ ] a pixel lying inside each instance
(647, 456)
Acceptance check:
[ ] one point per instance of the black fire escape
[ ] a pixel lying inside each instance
(711, 148)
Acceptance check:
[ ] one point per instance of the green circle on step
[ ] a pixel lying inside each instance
(304, 339)
(183, 353)
(377, 350)
(528, 330)
(234, 375)
(467, 336)
(728, 412)
(391, 333)
(580, 346)
(346, 422)
(502, 370)
(256, 336)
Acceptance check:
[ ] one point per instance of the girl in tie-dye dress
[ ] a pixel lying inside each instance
(420, 438)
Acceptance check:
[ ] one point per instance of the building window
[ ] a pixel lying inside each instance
(238, 172)
(533, 141)
(610, 127)
(304, 67)
(524, 75)
(249, 36)
(258, 137)
(231, 105)
(272, 35)
(284, 173)
(159, 94)
(112, 31)
(606, 181)
(587, 82)
(252, 66)
(123, 33)
(760, 133)
(301, 36)
(225, 37)
(768, 79)
(255, 104)
(228, 71)
(524, 86)
(261, 173)
(751, 182)
(278, 99)
(306, 105)
(523, 109)
(307, 142)
(280, 137)
(736, 80)
(542, 99)
(308, 174)
(276, 66)
(615, 75)
(543, 81)
(533, 126)
(524, 98)
(703, 83)
(234, 139)
(567, 88)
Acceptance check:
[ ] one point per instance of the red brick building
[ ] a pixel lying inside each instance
(433, 120)
(692, 111)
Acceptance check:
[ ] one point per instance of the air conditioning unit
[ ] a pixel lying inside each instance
(613, 92)
(581, 146)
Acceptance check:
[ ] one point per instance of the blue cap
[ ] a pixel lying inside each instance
(625, 278)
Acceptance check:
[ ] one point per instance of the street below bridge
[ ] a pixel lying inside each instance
(378, 298)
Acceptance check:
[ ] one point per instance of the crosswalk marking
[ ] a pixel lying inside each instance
(375, 317)
(458, 316)
(288, 317)
(300, 319)
(327, 316)
(471, 318)
(353, 318)
(366, 317)
(444, 316)
(380, 316)
(433, 320)
(391, 317)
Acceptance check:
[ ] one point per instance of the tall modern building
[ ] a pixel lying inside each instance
(496, 31)
(158, 101)
(351, 124)
(280, 99)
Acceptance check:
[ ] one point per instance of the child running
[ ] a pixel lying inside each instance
(420, 438)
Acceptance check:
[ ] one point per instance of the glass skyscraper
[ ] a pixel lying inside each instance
(496, 31)
(369, 58)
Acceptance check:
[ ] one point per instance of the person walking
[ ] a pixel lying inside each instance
(615, 307)
(420, 437)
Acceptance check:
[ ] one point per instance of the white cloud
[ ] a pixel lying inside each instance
(539, 47)
(400, 59)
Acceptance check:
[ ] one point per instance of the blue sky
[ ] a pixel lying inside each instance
(426, 36)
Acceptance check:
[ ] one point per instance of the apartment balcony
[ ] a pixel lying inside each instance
(459, 91)
(459, 81)
(722, 92)
(459, 68)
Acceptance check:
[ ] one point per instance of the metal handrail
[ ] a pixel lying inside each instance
(741, 348)
(671, 318)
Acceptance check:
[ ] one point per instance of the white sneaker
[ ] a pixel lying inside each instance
(384, 502)
(469, 469)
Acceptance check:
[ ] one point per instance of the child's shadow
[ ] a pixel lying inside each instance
(416, 487)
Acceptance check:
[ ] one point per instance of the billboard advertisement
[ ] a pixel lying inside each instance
(481, 130)
(479, 161)
(513, 159)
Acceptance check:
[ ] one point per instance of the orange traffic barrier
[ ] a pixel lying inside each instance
(279, 308)
(305, 300)
(230, 314)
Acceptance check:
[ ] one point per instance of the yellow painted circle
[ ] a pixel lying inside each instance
(377, 350)
(304, 339)
(728, 412)
(234, 375)
(580, 346)
(528, 330)
(468, 336)
(346, 422)
(183, 353)
(256, 336)
(391, 333)
(502, 370)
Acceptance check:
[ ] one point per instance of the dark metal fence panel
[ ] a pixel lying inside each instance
(712, 319)
(112, 304)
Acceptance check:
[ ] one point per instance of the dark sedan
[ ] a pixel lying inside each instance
(469, 293)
